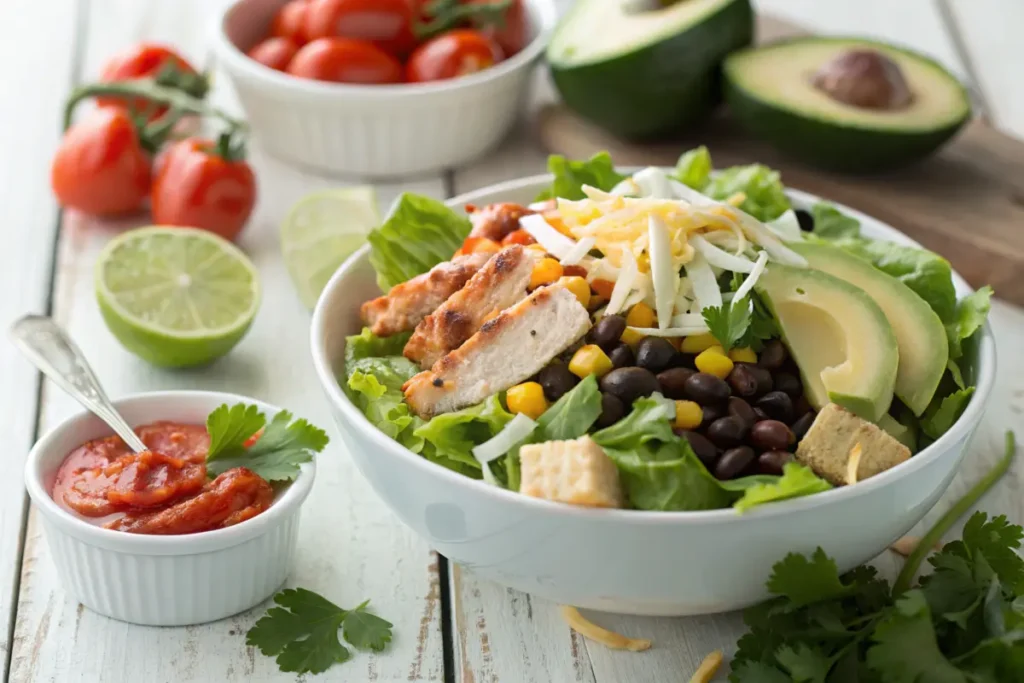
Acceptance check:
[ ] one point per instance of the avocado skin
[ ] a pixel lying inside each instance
(660, 88)
(833, 146)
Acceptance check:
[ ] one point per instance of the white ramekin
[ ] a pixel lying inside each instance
(164, 580)
(374, 130)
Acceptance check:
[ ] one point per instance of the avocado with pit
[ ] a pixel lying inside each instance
(642, 68)
(837, 335)
(845, 104)
(920, 334)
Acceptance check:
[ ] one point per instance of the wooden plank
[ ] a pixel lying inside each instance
(41, 59)
(350, 548)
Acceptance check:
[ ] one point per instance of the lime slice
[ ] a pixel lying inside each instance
(321, 231)
(176, 297)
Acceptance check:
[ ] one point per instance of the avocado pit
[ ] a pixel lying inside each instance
(864, 78)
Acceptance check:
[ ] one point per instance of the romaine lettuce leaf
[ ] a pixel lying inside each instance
(831, 224)
(694, 168)
(667, 476)
(942, 413)
(765, 196)
(649, 420)
(573, 414)
(418, 233)
(968, 318)
(368, 345)
(452, 436)
(797, 480)
(571, 176)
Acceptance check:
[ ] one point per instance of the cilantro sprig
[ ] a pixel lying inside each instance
(303, 632)
(742, 322)
(276, 455)
(962, 623)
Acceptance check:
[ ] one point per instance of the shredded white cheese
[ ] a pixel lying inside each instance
(671, 331)
(748, 284)
(702, 278)
(553, 241)
(624, 283)
(786, 227)
(708, 668)
(578, 251)
(518, 428)
(853, 464)
(719, 258)
(664, 273)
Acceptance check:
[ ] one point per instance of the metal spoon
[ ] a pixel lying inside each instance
(52, 351)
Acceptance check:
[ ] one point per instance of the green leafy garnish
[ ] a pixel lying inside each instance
(694, 168)
(796, 481)
(276, 455)
(571, 176)
(303, 632)
(450, 437)
(764, 195)
(969, 316)
(940, 415)
(729, 322)
(832, 224)
(418, 233)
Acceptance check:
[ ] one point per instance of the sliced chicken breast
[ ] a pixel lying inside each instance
(407, 304)
(506, 351)
(497, 221)
(501, 282)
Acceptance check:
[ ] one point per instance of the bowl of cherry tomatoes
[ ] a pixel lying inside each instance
(381, 88)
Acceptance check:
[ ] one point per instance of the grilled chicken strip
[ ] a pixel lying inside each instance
(501, 282)
(506, 351)
(410, 302)
(497, 221)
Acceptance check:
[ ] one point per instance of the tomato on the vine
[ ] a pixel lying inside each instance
(275, 52)
(143, 60)
(342, 60)
(452, 54)
(204, 184)
(100, 166)
(385, 23)
(511, 32)
(290, 21)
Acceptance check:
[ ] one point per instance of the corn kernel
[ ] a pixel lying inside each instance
(696, 343)
(630, 337)
(717, 348)
(590, 360)
(546, 271)
(640, 315)
(578, 286)
(744, 355)
(527, 398)
(714, 363)
(688, 415)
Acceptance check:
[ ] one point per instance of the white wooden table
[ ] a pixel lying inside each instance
(449, 626)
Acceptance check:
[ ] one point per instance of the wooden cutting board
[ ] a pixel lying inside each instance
(966, 202)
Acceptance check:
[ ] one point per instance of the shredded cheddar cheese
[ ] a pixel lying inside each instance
(590, 630)
(708, 668)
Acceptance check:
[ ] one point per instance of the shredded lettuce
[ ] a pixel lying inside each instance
(571, 176)
(796, 481)
(694, 168)
(418, 233)
(373, 381)
(832, 224)
(942, 413)
(969, 316)
(452, 436)
(764, 194)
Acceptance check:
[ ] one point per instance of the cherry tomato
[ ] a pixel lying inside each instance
(196, 187)
(518, 237)
(478, 245)
(275, 53)
(511, 34)
(100, 167)
(603, 287)
(343, 60)
(140, 61)
(385, 23)
(290, 20)
(450, 55)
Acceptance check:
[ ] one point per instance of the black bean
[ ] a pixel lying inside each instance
(706, 389)
(802, 406)
(742, 381)
(711, 412)
(741, 409)
(805, 219)
(772, 462)
(704, 449)
(802, 424)
(727, 432)
(612, 410)
(673, 382)
(629, 384)
(773, 355)
(733, 461)
(556, 380)
(607, 331)
(654, 353)
(760, 415)
(777, 405)
(683, 360)
(788, 383)
(622, 356)
(771, 435)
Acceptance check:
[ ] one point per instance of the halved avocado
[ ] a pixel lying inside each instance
(845, 104)
(920, 335)
(838, 336)
(640, 69)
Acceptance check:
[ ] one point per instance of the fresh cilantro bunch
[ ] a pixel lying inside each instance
(963, 623)
(275, 455)
(303, 632)
(743, 322)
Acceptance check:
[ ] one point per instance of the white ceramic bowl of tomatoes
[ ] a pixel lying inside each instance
(381, 88)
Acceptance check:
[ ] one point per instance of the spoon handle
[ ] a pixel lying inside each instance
(52, 351)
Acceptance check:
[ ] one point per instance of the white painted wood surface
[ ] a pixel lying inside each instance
(351, 547)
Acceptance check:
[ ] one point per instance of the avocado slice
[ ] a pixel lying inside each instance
(643, 68)
(920, 335)
(845, 104)
(838, 336)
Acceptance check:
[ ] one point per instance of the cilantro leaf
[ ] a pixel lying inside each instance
(905, 649)
(729, 322)
(277, 453)
(998, 540)
(757, 672)
(807, 580)
(303, 632)
(804, 663)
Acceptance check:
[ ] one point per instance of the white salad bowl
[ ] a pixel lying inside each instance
(164, 580)
(628, 561)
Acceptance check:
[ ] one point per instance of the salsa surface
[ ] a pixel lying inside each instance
(161, 491)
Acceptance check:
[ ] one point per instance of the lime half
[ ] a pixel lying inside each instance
(176, 297)
(321, 231)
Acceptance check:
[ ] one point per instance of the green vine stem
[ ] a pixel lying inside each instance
(148, 89)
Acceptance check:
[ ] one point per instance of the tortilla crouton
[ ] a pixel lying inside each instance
(575, 472)
(835, 434)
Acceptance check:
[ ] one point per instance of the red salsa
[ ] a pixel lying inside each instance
(164, 490)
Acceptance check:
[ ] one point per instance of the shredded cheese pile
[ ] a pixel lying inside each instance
(590, 630)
